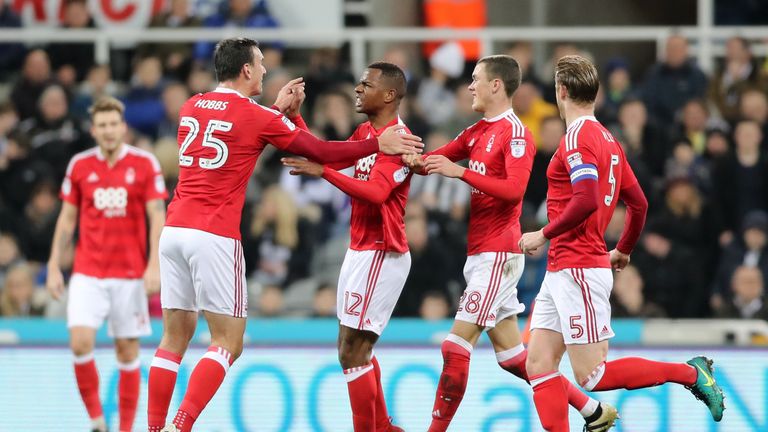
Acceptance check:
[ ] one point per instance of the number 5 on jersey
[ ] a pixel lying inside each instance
(213, 126)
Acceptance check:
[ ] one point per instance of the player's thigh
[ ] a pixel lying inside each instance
(585, 358)
(545, 350)
(370, 283)
(218, 271)
(88, 302)
(491, 290)
(177, 290)
(129, 310)
(583, 303)
(506, 334)
(226, 331)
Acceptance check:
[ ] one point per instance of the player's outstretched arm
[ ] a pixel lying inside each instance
(326, 152)
(156, 215)
(62, 237)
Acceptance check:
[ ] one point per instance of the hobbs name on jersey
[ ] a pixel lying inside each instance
(364, 167)
(211, 104)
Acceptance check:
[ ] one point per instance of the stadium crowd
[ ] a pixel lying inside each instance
(698, 144)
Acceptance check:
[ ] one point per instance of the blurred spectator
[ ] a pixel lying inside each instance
(547, 73)
(742, 179)
(54, 134)
(753, 105)
(627, 298)
(426, 257)
(19, 173)
(399, 56)
(176, 57)
(435, 99)
(19, 297)
(324, 301)
(174, 96)
(201, 80)
(36, 231)
(464, 116)
(673, 82)
(97, 84)
(434, 306)
(35, 77)
(672, 275)
(748, 301)
(273, 82)
(747, 249)
(615, 226)
(685, 163)
(270, 301)
(326, 72)
(738, 72)
(642, 140)
(143, 102)
(693, 124)
(314, 198)
(11, 53)
(167, 152)
(522, 51)
(551, 130)
(531, 108)
(334, 115)
(234, 13)
(718, 147)
(617, 89)
(73, 60)
(10, 254)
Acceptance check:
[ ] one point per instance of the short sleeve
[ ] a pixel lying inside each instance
(580, 155)
(519, 152)
(155, 183)
(279, 130)
(70, 188)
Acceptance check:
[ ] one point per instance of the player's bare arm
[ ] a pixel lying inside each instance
(395, 141)
(439, 164)
(156, 215)
(303, 167)
(62, 237)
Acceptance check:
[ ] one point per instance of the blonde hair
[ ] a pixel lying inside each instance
(286, 218)
(579, 76)
(105, 104)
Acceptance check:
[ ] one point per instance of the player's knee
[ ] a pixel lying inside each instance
(126, 351)
(351, 356)
(538, 364)
(81, 346)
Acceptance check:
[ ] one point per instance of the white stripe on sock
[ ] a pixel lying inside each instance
(458, 340)
(162, 363)
(537, 381)
(217, 357)
(503, 356)
(589, 408)
(133, 365)
(594, 377)
(85, 358)
(352, 374)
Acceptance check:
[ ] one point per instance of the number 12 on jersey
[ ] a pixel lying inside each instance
(222, 152)
(612, 180)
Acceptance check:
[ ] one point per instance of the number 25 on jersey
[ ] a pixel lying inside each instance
(213, 126)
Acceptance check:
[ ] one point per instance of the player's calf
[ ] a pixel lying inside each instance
(453, 381)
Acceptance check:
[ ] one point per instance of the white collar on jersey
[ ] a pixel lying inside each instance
(500, 116)
(580, 119)
(228, 90)
(123, 152)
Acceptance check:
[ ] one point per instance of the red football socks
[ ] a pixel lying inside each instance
(203, 384)
(634, 373)
(362, 387)
(162, 380)
(453, 381)
(549, 395)
(88, 383)
(128, 393)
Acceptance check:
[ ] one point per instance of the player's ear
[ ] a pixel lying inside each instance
(246, 71)
(390, 96)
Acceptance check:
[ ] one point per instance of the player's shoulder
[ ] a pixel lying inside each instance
(82, 158)
(142, 155)
(581, 131)
(514, 126)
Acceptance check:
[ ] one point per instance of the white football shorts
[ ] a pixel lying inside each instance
(370, 283)
(576, 303)
(491, 293)
(202, 271)
(122, 302)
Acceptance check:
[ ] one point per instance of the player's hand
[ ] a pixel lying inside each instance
(532, 241)
(298, 99)
(286, 94)
(152, 279)
(395, 141)
(54, 282)
(414, 162)
(619, 260)
(439, 164)
(303, 167)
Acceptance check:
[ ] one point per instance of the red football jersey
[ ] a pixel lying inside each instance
(494, 147)
(380, 227)
(221, 135)
(111, 201)
(587, 151)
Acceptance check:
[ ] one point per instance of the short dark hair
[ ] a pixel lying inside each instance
(579, 76)
(394, 74)
(230, 55)
(504, 68)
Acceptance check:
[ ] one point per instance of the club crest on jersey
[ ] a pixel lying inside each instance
(518, 148)
(130, 175)
(574, 160)
(401, 174)
(289, 123)
(490, 143)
